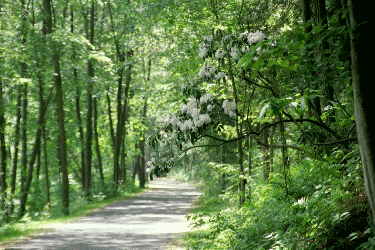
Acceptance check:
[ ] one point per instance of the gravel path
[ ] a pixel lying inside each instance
(147, 221)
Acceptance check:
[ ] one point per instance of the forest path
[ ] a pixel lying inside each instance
(147, 221)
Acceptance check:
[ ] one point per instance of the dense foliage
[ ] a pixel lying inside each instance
(252, 99)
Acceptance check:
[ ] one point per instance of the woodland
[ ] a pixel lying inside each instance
(265, 105)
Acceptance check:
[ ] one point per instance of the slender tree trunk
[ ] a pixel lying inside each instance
(271, 148)
(77, 105)
(185, 162)
(45, 158)
(60, 107)
(147, 159)
(314, 104)
(15, 149)
(34, 154)
(118, 136)
(122, 176)
(328, 91)
(89, 132)
(23, 74)
(121, 108)
(249, 162)
(136, 161)
(223, 161)
(142, 165)
(25, 191)
(306, 14)
(24, 135)
(238, 127)
(3, 155)
(265, 153)
(361, 19)
(97, 147)
(110, 120)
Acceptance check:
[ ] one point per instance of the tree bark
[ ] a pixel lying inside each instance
(15, 149)
(328, 91)
(364, 102)
(265, 153)
(97, 146)
(250, 166)
(77, 104)
(46, 173)
(3, 155)
(60, 107)
(89, 132)
(35, 152)
(23, 130)
(142, 165)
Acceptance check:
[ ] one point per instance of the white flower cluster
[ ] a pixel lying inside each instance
(191, 108)
(328, 107)
(229, 108)
(203, 50)
(220, 75)
(202, 119)
(150, 165)
(245, 49)
(184, 126)
(206, 98)
(220, 53)
(207, 70)
(234, 52)
(243, 35)
(255, 37)
(183, 87)
(192, 104)
(225, 39)
(208, 38)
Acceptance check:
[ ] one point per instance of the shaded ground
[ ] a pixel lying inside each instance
(148, 221)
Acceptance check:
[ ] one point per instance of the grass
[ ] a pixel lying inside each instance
(27, 228)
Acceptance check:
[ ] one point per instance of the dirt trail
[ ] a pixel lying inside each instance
(147, 221)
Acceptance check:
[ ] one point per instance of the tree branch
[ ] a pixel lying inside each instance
(336, 142)
(279, 146)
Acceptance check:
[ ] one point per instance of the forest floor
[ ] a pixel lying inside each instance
(149, 220)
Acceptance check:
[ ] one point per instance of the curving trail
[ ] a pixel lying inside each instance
(147, 221)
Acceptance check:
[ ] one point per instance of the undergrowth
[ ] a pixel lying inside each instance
(323, 207)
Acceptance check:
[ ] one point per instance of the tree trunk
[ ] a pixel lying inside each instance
(60, 107)
(314, 104)
(328, 91)
(89, 132)
(142, 165)
(45, 158)
(364, 102)
(250, 166)
(265, 153)
(97, 147)
(136, 161)
(15, 149)
(77, 105)
(24, 133)
(223, 161)
(35, 152)
(3, 155)
(271, 148)
(110, 119)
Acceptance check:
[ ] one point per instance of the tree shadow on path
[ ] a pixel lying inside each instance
(147, 221)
